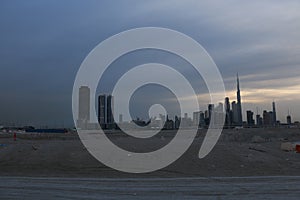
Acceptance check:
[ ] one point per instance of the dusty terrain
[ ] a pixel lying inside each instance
(237, 153)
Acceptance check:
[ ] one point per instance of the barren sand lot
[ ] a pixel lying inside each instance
(237, 153)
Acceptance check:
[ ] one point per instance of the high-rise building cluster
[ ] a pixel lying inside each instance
(267, 119)
(233, 114)
(228, 114)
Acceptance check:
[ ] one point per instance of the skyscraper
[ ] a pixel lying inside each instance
(289, 118)
(219, 115)
(234, 113)
(250, 120)
(110, 109)
(102, 109)
(211, 109)
(202, 119)
(177, 122)
(105, 110)
(274, 114)
(267, 118)
(83, 107)
(84, 104)
(259, 120)
(196, 118)
(239, 103)
(227, 112)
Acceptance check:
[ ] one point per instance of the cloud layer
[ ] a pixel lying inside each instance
(44, 42)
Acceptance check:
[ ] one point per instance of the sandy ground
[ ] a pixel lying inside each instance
(150, 188)
(236, 154)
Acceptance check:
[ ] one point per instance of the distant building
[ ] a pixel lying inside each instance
(289, 119)
(259, 120)
(185, 115)
(84, 103)
(234, 117)
(84, 107)
(105, 111)
(169, 124)
(211, 108)
(239, 104)
(162, 119)
(250, 120)
(202, 119)
(219, 115)
(267, 118)
(196, 118)
(227, 112)
(102, 110)
(206, 115)
(110, 109)
(234, 113)
(177, 122)
(186, 121)
(274, 114)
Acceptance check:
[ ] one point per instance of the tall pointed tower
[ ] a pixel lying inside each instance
(274, 113)
(239, 103)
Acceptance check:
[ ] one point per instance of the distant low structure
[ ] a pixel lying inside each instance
(47, 130)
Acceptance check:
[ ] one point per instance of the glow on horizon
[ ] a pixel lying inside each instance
(260, 95)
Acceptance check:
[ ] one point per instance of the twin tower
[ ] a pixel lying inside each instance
(105, 109)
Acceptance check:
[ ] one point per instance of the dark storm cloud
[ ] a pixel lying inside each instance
(44, 42)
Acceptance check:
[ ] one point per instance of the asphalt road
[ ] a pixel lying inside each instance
(150, 188)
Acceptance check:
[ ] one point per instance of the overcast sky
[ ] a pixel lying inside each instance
(43, 44)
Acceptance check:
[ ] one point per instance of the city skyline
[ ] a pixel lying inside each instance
(233, 115)
(105, 114)
(227, 114)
